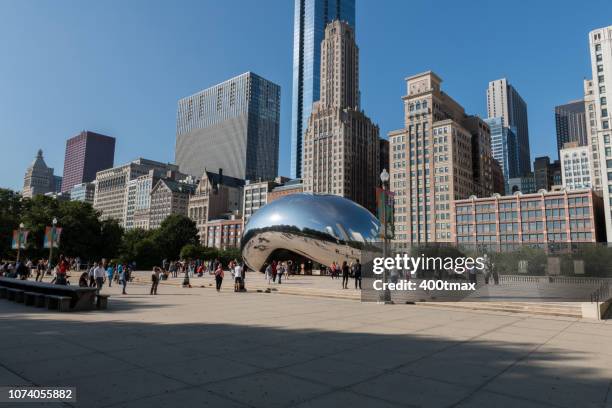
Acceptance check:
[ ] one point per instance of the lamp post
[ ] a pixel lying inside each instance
(384, 178)
(21, 227)
(53, 224)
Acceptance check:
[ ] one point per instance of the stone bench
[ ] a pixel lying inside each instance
(15, 295)
(59, 303)
(34, 299)
(102, 301)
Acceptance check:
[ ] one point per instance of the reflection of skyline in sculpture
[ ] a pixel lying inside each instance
(322, 228)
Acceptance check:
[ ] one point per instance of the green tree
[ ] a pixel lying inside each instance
(192, 251)
(127, 249)
(10, 211)
(81, 231)
(111, 234)
(175, 232)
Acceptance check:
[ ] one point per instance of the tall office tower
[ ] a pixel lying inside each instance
(39, 178)
(571, 124)
(591, 133)
(233, 125)
(86, 154)
(341, 145)
(546, 173)
(600, 42)
(115, 196)
(310, 19)
(503, 144)
(504, 101)
(439, 156)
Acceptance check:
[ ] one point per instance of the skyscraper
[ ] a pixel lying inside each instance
(310, 19)
(341, 144)
(86, 154)
(39, 178)
(504, 101)
(234, 126)
(439, 156)
(600, 43)
(503, 144)
(571, 124)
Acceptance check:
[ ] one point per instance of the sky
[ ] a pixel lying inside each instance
(119, 67)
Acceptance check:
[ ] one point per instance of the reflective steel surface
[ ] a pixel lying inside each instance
(323, 228)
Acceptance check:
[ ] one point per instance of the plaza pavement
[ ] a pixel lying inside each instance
(194, 347)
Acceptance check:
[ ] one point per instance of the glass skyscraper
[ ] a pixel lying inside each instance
(310, 19)
(233, 126)
(504, 148)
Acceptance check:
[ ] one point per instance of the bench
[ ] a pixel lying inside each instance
(15, 295)
(102, 301)
(38, 292)
(59, 303)
(34, 299)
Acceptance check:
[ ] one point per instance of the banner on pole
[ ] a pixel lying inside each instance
(20, 238)
(384, 203)
(52, 235)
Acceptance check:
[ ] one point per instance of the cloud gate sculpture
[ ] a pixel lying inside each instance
(322, 228)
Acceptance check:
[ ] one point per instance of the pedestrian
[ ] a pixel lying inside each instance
(40, 270)
(219, 276)
(237, 277)
(345, 275)
(62, 267)
(99, 274)
(280, 272)
(92, 279)
(110, 272)
(334, 269)
(269, 273)
(83, 280)
(357, 273)
(125, 278)
(155, 280)
(274, 271)
(22, 270)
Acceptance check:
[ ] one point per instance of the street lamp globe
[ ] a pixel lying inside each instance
(21, 225)
(384, 176)
(54, 221)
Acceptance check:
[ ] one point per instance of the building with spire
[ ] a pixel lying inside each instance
(310, 19)
(341, 144)
(39, 178)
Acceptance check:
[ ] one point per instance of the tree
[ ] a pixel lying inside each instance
(110, 236)
(81, 231)
(191, 251)
(175, 232)
(10, 210)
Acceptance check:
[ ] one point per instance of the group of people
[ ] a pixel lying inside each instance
(103, 271)
(199, 268)
(346, 270)
(276, 271)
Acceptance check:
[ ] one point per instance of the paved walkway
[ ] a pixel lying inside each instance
(196, 347)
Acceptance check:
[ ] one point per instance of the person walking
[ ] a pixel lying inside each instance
(237, 277)
(155, 280)
(62, 268)
(92, 279)
(357, 273)
(125, 278)
(269, 273)
(274, 271)
(99, 274)
(40, 270)
(219, 276)
(345, 275)
(110, 272)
